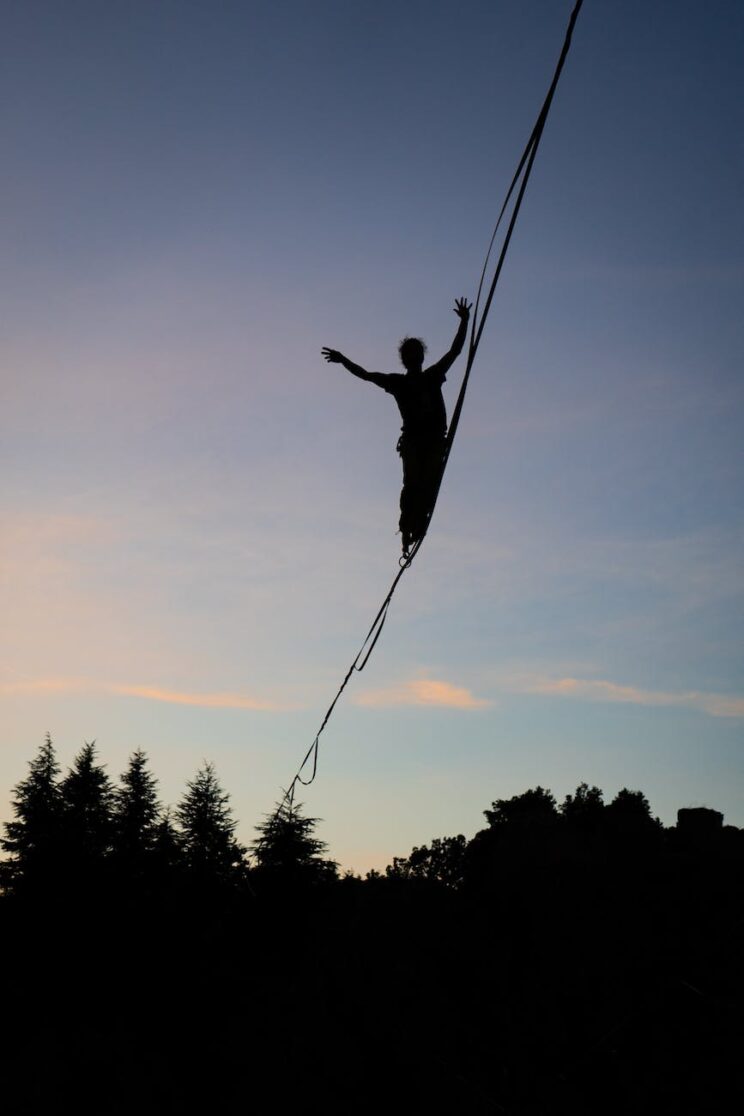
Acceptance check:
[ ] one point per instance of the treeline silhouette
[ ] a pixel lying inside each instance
(575, 957)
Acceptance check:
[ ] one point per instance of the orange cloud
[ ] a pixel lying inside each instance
(422, 691)
(209, 701)
(716, 705)
(30, 686)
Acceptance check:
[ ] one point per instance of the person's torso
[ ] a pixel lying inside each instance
(421, 405)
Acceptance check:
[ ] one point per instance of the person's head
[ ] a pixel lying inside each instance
(412, 350)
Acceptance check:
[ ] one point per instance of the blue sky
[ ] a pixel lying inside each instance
(200, 513)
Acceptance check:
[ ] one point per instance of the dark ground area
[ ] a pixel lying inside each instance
(565, 973)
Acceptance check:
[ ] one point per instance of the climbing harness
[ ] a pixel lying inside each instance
(518, 185)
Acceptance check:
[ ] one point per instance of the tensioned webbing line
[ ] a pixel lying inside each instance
(518, 184)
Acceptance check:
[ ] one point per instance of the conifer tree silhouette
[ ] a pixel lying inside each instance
(87, 816)
(206, 830)
(32, 839)
(166, 845)
(136, 807)
(287, 847)
(135, 818)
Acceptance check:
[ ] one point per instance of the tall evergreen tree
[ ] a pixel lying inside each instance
(206, 829)
(287, 847)
(166, 847)
(32, 839)
(87, 812)
(136, 810)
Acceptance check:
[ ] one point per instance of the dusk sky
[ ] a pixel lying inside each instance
(199, 513)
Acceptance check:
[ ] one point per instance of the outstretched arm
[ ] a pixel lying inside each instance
(462, 309)
(333, 356)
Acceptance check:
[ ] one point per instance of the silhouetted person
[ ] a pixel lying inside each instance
(421, 445)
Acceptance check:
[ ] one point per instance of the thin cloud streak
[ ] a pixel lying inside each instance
(422, 691)
(38, 686)
(210, 701)
(715, 705)
(29, 687)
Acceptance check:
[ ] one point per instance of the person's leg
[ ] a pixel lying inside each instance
(410, 493)
(431, 474)
(427, 486)
(422, 470)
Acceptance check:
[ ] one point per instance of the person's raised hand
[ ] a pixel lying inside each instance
(462, 308)
(332, 355)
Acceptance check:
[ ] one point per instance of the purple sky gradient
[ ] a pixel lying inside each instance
(197, 508)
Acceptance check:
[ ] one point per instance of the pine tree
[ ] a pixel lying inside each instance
(287, 847)
(206, 830)
(87, 814)
(167, 852)
(136, 810)
(32, 839)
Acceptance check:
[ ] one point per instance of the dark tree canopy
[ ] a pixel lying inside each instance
(32, 839)
(533, 807)
(167, 849)
(136, 808)
(87, 819)
(206, 829)
(632, 807)
(287, 847)
(560, 955)
(87, 804)
(441, 862)
(584, 808)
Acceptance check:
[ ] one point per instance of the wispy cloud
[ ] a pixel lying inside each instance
(28, 687)
(422, 691)
(31, 687)
(587, 689)
(210, 701)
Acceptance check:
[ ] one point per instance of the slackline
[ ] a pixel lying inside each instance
(516, 190)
